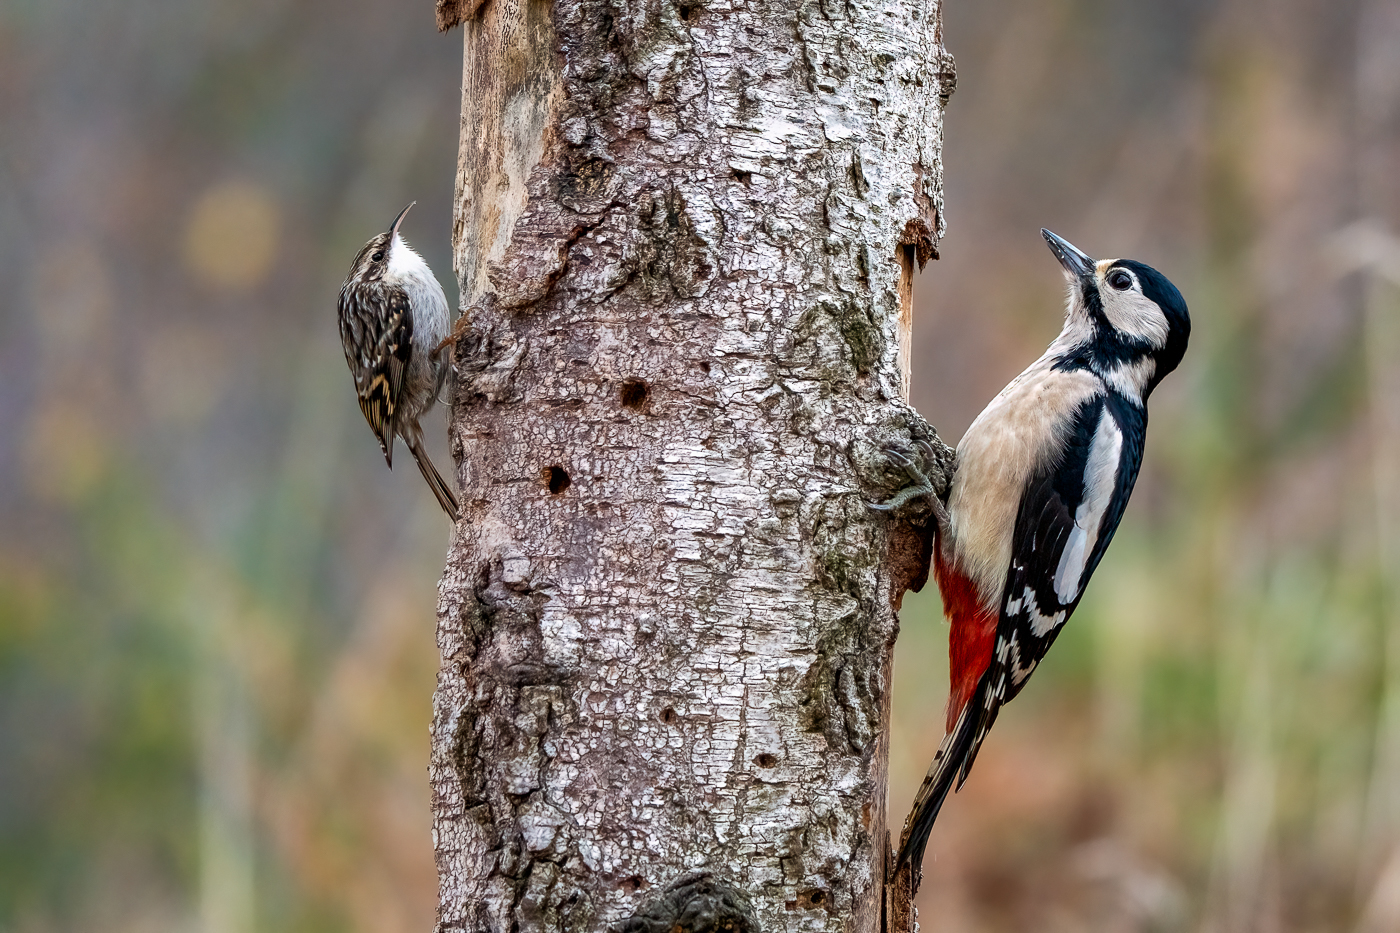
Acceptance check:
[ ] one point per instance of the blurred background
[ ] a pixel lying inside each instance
(216, 605)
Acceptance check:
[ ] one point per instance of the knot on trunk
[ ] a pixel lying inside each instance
(699, 903)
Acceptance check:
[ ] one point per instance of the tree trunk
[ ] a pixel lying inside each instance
(685, 235)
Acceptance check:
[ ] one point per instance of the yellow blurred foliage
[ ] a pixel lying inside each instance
(231, 239)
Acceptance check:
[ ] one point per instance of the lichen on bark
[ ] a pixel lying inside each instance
(683, 234)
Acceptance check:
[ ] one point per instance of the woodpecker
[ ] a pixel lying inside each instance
(1042, 478)
(393, 321)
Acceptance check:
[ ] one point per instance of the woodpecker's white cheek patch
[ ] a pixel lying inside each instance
(1100, 479)
(1131, 312)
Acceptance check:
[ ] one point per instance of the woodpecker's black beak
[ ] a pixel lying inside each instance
(1073, 259)
(399, 219)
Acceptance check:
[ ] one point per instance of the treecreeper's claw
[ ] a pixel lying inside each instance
(459, 329)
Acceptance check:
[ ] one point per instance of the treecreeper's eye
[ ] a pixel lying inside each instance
(1120, 279)
(378, 255)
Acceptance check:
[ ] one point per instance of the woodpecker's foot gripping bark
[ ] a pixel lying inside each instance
(919, 498)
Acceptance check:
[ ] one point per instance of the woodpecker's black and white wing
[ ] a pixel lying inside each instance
(1066, 519)
(376, 329)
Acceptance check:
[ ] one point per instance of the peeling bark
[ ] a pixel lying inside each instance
(686, 235)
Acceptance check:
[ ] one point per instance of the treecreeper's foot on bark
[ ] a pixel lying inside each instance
(458, 329)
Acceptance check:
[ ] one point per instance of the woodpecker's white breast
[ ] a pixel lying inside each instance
(410, 272)
(1023, 427)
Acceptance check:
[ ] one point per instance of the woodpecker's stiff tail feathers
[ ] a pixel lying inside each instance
(952, 762)
(1043, 476)
(972, 702)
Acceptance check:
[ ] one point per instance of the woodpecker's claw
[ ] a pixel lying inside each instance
(919, 490)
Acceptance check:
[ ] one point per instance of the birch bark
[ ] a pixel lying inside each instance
(685, 232)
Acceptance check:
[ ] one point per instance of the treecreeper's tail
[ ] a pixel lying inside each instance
(445, 496)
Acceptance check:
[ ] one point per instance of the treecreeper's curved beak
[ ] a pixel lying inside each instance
(399, 219)
(1074, 260)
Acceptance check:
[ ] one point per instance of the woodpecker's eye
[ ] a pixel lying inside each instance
(1120, 279)
(378, 255)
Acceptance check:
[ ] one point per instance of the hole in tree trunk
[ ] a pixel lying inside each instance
(557, 479)
(806, 900)
(766, 760)
(668, 716)
(635, 393)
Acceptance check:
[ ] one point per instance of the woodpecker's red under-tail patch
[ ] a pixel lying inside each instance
(970, 638)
